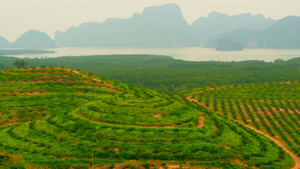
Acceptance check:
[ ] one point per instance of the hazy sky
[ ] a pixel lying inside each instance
(18, 16)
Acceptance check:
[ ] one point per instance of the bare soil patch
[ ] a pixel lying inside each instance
(237, 161)
(176, 166)
(170, 126)
(226, 146)
(11, 124)
(291, 111)
(117, 149)
(216, 128)
(201, 121)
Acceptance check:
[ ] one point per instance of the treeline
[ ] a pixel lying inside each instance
(166, 73)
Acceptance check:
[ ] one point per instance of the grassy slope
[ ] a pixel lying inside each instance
(61, 118)
(270, 107)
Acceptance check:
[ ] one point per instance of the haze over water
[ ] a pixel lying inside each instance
(187, 54)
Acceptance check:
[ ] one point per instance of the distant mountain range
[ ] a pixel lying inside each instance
(218, 23)
(159, 26)
(164, 26)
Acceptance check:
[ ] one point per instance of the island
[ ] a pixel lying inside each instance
(228, 45)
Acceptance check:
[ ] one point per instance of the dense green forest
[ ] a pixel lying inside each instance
(168, 74)
(63, 118)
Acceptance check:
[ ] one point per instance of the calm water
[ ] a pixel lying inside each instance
(188, 54)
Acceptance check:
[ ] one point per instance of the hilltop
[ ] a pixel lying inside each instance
(4, 43)
(34, 39)
(63, 118)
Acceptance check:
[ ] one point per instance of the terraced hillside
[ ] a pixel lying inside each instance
(62, 118)
(273, 108)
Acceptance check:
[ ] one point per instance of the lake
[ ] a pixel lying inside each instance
(188, 54)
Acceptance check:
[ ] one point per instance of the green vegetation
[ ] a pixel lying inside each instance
(269, 107)
(165, 73)
(20, 63)
(62, 118)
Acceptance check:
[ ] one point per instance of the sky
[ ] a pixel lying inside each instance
(19, 16)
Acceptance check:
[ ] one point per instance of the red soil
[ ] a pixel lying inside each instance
(201, 121)
(157, 115)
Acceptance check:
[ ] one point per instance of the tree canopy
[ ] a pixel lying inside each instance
(20, 63)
